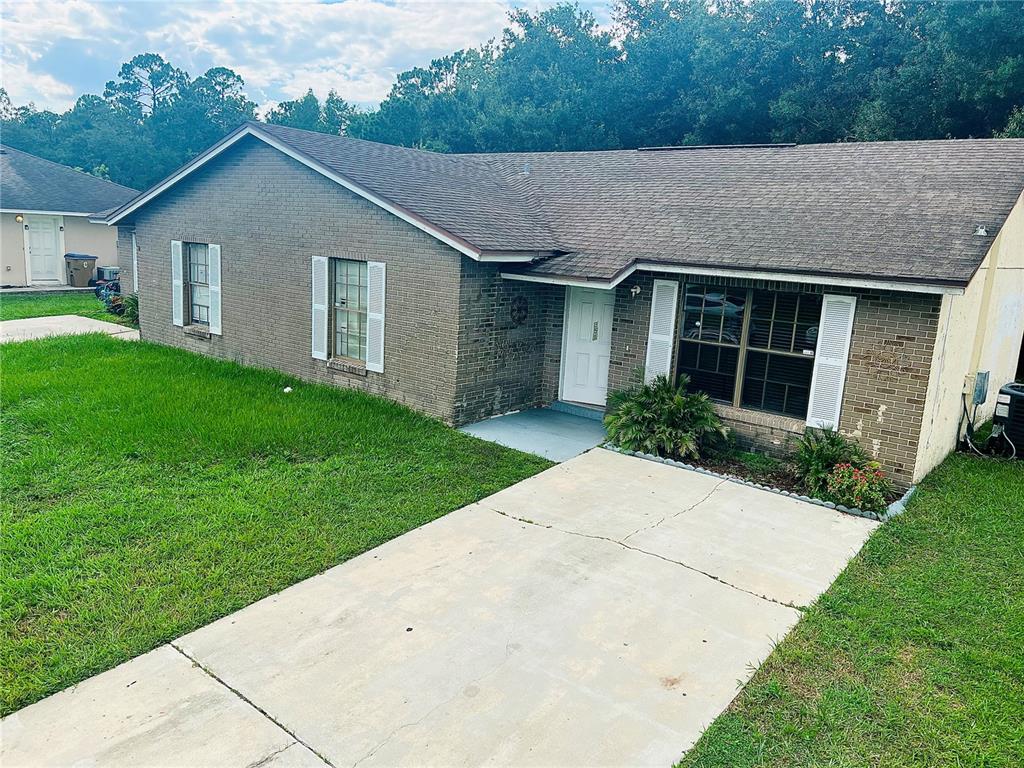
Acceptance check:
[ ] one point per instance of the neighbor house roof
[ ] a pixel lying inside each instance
(30, 183)
(893, 211)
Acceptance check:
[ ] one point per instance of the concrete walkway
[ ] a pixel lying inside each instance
(61, 325)
(543, 432)
(601, 613)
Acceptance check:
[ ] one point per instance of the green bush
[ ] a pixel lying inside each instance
(664, 419)
(130, 308)
(818, 452)
(851, 486)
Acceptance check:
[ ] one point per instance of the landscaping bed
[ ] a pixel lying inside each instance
(661, 419)
(146, 491)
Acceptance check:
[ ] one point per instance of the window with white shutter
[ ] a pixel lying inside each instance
(177, 285)
(661, 334)
(834, 333)
(376, 282)
(135, 264)
(213, 253)
(320, 293)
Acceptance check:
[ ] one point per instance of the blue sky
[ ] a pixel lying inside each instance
(54, 50)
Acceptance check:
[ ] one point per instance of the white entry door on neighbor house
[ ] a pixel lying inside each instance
(43, 249)
(587, 345)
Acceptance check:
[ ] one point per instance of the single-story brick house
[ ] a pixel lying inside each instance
(858, 285)
(46, 211)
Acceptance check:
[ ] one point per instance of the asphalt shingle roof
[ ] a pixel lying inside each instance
(895, 210)
(903, 211)
(462, 194)
(30, 183)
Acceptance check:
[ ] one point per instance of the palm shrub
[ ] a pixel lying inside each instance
(818, 452)
(130, 308)
(662, 418)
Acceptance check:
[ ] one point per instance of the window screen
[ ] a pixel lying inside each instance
(349, 304)
(198, 283)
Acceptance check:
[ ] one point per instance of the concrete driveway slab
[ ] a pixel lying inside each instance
(156, 710)
(61, 325)
(603, 493)
(479, 638)
(603, 612)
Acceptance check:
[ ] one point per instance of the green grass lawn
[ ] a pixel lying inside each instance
(17, 306)
(915, 656)
(146, 491)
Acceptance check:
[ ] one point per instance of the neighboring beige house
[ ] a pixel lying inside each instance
(44, 214)
(858, 285)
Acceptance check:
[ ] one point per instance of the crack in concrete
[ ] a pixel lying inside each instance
(433, 709)
(254, 705)
(622, 544)
(267, 758)
(690, 508)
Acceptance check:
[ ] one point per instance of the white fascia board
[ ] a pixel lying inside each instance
(45, 213)
(507, 258)
(436, 232)
(554, 280)
(782, 277)
(789, 277)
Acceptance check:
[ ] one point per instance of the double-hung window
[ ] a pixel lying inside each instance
(750, 348)
(349, 305)
(198, 283)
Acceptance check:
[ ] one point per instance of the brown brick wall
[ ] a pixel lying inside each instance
(886, 380)
(510, 337)
(887, 375)
(270, 215)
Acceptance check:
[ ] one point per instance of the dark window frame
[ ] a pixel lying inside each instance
(197, 276)
(343, 313)
(743, 346)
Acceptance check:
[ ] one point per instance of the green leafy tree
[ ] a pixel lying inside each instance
(145, 84)
(308, 113)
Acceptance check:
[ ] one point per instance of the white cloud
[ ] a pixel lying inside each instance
(356, 47)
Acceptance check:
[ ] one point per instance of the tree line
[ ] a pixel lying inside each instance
(665, 72)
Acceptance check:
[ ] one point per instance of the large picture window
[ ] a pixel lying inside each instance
(750, 348)
(348, 300)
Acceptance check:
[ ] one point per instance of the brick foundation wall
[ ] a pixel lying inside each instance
(270, 215)
(510, 335)
(886, 380)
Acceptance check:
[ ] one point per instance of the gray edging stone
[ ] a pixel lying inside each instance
(894, 509)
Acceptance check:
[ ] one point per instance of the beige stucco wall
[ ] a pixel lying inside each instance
(980, 330)
(80, 236)
(12, 251)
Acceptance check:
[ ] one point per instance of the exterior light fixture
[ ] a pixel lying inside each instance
(635, 291)
(19, 218)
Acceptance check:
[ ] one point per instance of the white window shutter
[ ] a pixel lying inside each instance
(135, 264)
(375, 279)
(214, 278)
(661, 334)
(835, 330)
(177, 289)
(320, 293)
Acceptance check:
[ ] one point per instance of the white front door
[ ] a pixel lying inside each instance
(43, 245)
(587, 345)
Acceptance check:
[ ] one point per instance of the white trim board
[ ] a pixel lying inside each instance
(249, 130)
(28, 211)
(782, 277)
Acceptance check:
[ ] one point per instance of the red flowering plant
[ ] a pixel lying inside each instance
(867, 488)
